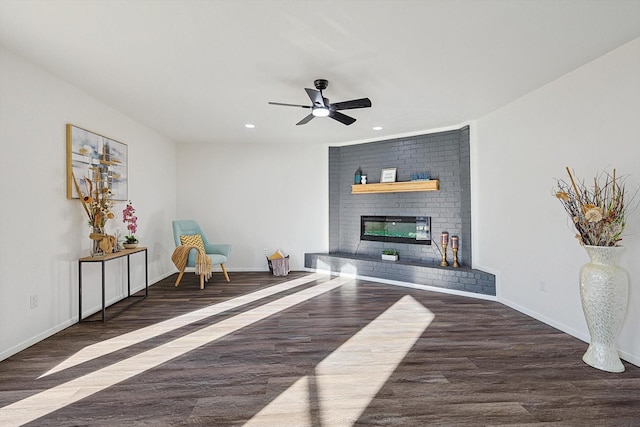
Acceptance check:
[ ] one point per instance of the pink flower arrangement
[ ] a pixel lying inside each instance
(129, 217)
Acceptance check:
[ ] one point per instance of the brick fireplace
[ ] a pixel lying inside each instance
(446, 157)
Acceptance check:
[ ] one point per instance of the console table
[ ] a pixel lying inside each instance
(102, 260)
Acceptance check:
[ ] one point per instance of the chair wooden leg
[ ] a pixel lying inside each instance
(202, 281)
(179, 277)
(224, 270)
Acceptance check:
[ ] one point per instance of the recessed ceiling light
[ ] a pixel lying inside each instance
(249, 126)
(377, 128)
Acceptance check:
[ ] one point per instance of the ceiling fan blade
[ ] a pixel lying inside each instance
(289, 105)
(342, 118)
(306, 120)
(355, 103)
(316, 97)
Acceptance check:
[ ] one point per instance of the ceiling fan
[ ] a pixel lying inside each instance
(320, 106)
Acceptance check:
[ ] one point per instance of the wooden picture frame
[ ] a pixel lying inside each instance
(95, 157)
(388, 175)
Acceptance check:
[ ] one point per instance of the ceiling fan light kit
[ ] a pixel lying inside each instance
(321, 107)
(320, 112)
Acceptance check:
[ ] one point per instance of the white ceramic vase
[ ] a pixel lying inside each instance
(604, 291)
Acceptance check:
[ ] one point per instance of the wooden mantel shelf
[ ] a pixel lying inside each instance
(396, 187)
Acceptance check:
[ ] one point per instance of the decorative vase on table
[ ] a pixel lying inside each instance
(96, 250)
(130, 245)
(604, 290)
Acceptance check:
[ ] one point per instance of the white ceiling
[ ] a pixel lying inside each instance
(198, 70)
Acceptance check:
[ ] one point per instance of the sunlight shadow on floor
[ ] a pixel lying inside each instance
(111, 345)
(348, 379)
(47, 401)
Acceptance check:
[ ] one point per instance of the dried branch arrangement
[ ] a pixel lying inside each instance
(598, 213)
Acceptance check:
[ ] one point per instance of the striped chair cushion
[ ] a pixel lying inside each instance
(192, 240)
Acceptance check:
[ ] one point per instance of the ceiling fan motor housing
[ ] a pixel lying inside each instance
(321, 84)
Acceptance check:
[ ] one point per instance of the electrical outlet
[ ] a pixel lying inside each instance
(264, 251)
(33, 301)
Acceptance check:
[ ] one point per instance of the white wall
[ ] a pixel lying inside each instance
(42, 234)
(257, 197)
(588, 120)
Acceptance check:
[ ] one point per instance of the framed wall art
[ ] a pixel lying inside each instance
(96, 162)
(388, 175)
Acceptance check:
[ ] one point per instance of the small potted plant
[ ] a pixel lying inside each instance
(129, 217)
(390, 254)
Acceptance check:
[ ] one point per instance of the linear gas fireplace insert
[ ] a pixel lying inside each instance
(398, 229)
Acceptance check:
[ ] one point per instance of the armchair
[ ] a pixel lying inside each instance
(218, 253)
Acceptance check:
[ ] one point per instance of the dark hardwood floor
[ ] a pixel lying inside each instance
(328, 352)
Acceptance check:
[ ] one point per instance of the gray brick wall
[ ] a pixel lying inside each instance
(465, 197)
(334, 193)
(445, 155)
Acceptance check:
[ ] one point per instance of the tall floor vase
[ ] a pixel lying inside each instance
(604, 291)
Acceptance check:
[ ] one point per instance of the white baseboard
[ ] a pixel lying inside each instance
(36, 339)
(582, 336)
(70, 322)
(633, 359)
